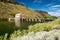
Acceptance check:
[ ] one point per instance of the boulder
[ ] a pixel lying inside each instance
(56, 26)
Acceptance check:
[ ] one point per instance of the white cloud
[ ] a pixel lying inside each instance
(50, 4)
(56, 13)
(37, 1)
(56, 9)
(56, 6)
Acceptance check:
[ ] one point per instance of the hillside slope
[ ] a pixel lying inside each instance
(9, 10)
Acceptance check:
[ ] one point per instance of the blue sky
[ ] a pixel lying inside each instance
(51, 6)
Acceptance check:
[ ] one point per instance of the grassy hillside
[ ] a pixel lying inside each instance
(10, 9)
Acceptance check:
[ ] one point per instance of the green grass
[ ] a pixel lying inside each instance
(44, 26)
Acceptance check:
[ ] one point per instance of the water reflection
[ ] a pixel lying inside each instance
(10, 27)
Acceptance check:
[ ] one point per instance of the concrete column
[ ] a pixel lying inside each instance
(32, 20)
(23, 18)
(35, 20)
(26, 19)
(29, 19)
(17, 19)
(39, 20)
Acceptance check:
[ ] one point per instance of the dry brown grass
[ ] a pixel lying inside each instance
(9, 9)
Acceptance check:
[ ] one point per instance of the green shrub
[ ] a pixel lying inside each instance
(51, 35)
(4, 37)
(44, 26)
(18, 33)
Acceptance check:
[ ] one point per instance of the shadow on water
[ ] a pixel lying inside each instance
(25, 24)
(9, 27)
(6, 27)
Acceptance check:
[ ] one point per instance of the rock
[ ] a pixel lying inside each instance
(56, 26)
